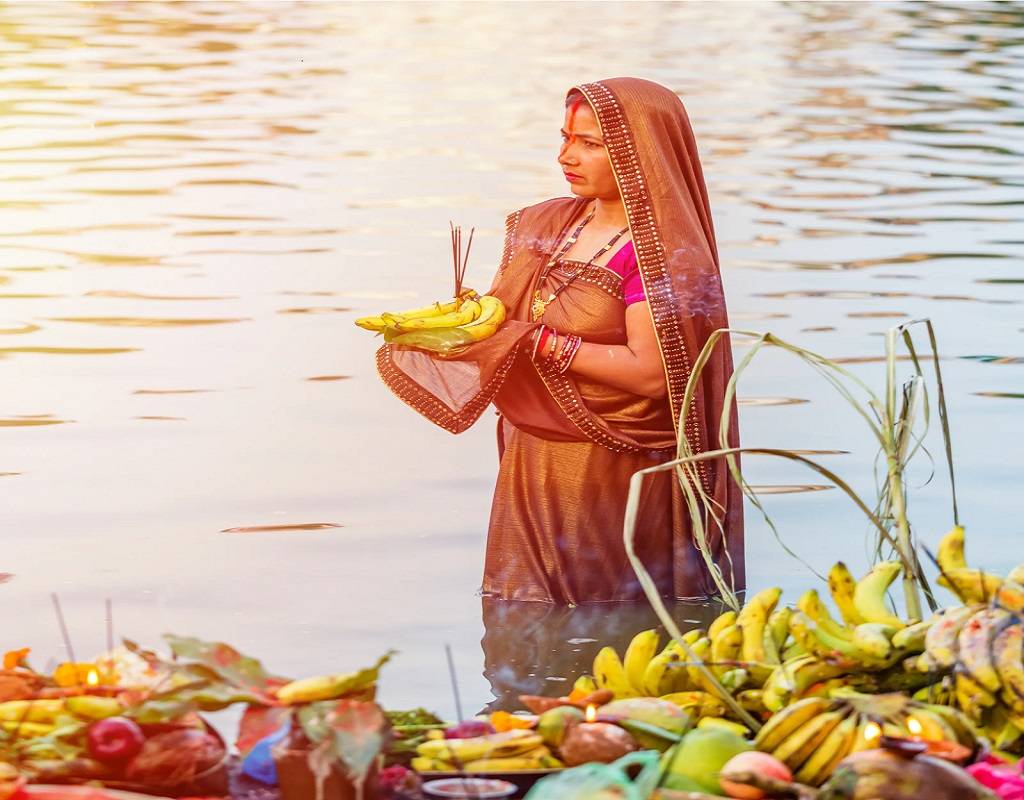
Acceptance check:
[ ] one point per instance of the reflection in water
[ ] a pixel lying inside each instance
(541, 648)
(147, 322)
(307, 526)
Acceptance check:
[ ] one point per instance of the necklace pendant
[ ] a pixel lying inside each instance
(539, 305)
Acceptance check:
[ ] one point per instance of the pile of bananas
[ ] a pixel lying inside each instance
(813, 735)
(31, 719)
(973, 653)
(441, 327)
(510, 751)
(769, 656)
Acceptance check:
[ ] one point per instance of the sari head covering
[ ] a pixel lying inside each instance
(655, 160)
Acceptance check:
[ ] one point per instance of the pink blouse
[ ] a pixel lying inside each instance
(624, 264)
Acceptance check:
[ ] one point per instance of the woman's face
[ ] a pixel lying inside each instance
(583, 155)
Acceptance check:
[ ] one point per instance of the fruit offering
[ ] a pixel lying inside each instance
(441, 328)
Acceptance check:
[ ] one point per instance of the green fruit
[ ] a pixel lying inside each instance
(701, 755)
(553, 724)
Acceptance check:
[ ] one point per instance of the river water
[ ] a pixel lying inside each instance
(198, 198)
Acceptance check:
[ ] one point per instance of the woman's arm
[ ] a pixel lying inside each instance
(636, 366)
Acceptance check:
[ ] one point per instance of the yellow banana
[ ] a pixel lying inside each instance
(940, 641)
(972, 698)
(309, 690)
(495, 745)
(492, 312)
(912, 637)
(778, 623)
(971, 585)
(951, 550)
(810, 603)
(610, 674)
(721, 622)
(974, 646)
(702, 650)
(726, 647)
(468, 311)
(841, 586)
(798, 747)
(511, 764)
(659, 676)
(433, 310)
(31, 710)
(1007, 652)
(868, 732)
(697, 703)
(869, 594)
(820, 643)
(585, 683)
(752, 700)
(27, 730)
(960, 725)
(930, 726)
(772, 656)
(94, 707)
(874, 638)
(423, 764)
(639, 653)
(752, 619)
(376, 323)
(836, 746)
(783, 723)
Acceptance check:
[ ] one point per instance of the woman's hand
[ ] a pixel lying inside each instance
(635, 367)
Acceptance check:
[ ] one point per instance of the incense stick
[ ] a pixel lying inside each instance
(110, 626)
(460, 260)
(63, 627)
(458, 711)
(455, 683)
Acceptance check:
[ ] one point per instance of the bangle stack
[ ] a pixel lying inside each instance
(543, 353)
(568, 353)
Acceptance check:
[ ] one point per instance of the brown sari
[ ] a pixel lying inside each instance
(568, 445)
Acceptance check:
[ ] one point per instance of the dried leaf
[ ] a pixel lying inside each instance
(230, 665)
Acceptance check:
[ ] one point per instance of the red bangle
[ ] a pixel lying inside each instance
(542, 340)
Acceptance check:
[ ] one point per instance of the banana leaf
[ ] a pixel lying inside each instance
(443, 341)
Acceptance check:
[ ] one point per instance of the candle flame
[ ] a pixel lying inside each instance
(872, 731)
(591, 714)
(914, 726)
(92, 678)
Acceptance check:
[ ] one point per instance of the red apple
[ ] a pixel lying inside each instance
(114, 739)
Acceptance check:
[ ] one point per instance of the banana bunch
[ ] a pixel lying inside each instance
(496, 752)
(441, 327)
(813, 735)
(975, 652)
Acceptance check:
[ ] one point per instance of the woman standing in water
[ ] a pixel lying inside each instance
(611, 295)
